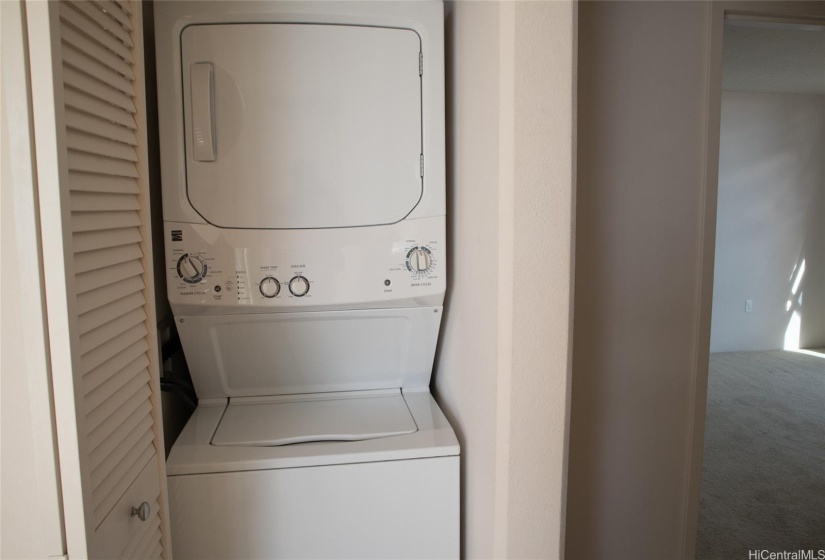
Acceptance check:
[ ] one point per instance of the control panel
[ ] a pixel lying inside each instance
(399, 264)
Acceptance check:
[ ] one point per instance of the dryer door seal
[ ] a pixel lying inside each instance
(291, 126)
(284, 420)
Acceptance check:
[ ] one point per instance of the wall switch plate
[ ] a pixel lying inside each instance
(748, 305)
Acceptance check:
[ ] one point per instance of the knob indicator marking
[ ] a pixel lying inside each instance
(299, 286)
(191, 268)
(419, 260)
(270, 287)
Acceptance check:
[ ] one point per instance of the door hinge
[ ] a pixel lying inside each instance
(422, 165)
(421, 64)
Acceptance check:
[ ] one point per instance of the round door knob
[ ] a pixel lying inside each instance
(191, 268)
(270, 287)
(299, 286)
(419, 259)
(142, 511)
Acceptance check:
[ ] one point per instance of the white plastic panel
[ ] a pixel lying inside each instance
(348, 416)
(289, 353)
(193, 452)
(316, 126)
(350, 267)
(391, 509)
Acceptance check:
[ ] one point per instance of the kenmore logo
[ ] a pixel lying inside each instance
(177, 235)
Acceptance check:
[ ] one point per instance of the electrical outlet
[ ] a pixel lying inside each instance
(748, 305)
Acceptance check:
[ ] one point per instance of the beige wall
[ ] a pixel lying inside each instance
(542, 275)
(642, 117)
(465, 371)
(502, 370)
(648, 123)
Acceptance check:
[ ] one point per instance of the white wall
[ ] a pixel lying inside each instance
(30, 511)
(771, 219)
(502, 371)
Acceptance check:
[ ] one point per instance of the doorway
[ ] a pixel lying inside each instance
(762, 475)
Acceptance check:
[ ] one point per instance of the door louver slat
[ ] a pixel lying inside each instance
(90, 241)
(144, 552)
(100, 258)
(109, 349)
(82, 161)
(134, 358)
(91, 221)
(90, 124)
(110, 330)
(123, 475)
(158, 552)
(98, 278)
(107, 294)
(149, 542)
(116, 12)
(108, 312)
(105, 22)
(89, 182)
(103, 202)
(69, 13)
(89, 105)
(124, 4)
(82, 142)
(109, 94)
(97, 51)
(101, 434)
(140, 537)
(141, 414)
(113, 383)
(105, 476)
(92, 67)
(136, 388)
(109, 256)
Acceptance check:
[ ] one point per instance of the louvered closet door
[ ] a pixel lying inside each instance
(99, 112)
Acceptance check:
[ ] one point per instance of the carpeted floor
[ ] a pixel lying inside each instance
(763, 472)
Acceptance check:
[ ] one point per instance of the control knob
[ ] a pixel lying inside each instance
(270, 287)
(299, 286)
(191, 268)
(419, 260)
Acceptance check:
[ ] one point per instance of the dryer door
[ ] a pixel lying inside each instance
(301, 125)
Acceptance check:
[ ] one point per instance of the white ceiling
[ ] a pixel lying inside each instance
(778, 59)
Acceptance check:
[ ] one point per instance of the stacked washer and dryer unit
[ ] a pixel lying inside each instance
(304, 207)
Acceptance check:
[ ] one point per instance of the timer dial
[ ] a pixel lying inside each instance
(299, 286)
(419, 260)
(270, 287)
(191, 268)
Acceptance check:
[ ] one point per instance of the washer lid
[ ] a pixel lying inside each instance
(301, 125)
(287, 419)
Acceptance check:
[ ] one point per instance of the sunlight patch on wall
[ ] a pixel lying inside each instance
(793, 332)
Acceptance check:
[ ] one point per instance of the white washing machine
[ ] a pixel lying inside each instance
(303, 197)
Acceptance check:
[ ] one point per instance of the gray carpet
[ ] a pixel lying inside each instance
(763, 473)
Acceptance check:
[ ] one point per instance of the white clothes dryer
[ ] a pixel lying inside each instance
(302, 150)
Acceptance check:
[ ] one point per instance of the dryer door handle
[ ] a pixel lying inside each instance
(202, 86)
